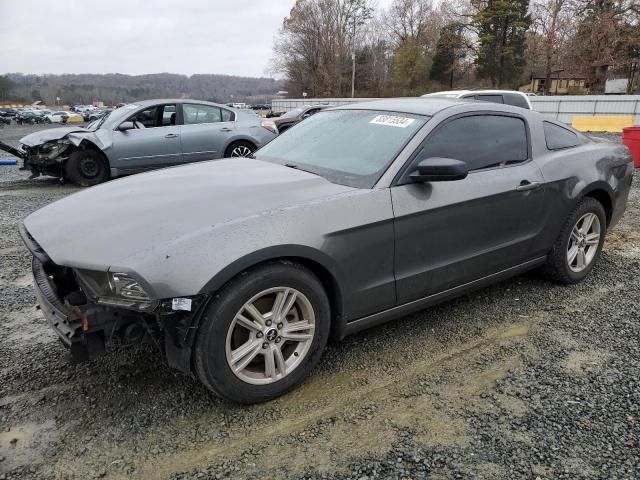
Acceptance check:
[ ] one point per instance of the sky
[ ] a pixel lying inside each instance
(232, 37)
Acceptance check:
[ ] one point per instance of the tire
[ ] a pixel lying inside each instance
(86, 168)
(241, 148)
(559, 268)
(220, 335)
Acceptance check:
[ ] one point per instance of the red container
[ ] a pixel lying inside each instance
(631, 138)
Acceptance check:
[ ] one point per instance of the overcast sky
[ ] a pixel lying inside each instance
(231, 37)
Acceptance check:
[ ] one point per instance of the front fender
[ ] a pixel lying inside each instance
(271, 253)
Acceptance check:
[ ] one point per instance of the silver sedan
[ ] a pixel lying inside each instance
(144, 136)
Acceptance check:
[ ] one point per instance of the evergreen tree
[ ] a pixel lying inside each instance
(501, 27)
(449, 49)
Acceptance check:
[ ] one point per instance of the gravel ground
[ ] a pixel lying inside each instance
(524, 379)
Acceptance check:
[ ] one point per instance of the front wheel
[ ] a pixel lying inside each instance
(579, 243)
(263, 334)
(86, 168)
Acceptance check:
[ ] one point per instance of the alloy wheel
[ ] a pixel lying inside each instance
(583, 242)
(270, 335)
(241, 151)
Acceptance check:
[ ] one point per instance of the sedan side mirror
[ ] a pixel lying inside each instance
(124, 126)
(438, 169)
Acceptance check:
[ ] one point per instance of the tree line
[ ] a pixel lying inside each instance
(115, 88)
(417, 46)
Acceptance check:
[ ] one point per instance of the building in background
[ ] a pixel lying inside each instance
(562, 83)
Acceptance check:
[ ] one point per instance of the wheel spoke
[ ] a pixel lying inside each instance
(269, 363)
(571, 255)
(283, 304)
(255, 314)
(593, 239)
(586, 223)
(575, 234)
(298, 331)
(581, 259)
(280, 363)
(245, 322)
(243, 355)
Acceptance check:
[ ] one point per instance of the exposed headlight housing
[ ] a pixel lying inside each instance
(124, 285)
(270, 125)
(117, 289)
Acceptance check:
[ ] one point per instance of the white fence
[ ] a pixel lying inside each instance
(562, 108)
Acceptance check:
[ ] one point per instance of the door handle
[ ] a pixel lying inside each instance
(527, 185)
(225, 129)
(171, 135)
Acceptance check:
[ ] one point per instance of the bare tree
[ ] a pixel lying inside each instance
(552, 21)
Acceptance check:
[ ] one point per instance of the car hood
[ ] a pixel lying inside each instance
(143, 214)
(43, 136)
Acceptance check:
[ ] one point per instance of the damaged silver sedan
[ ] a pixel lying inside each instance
(140, 137)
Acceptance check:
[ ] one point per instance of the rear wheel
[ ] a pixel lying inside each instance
(86, 168)
(240, 149)
(579, 244)
(263, 334)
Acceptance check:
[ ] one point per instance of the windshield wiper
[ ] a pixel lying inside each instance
(297, 167)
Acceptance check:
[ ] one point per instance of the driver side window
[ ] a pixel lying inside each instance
(156, 116)
(481, 141)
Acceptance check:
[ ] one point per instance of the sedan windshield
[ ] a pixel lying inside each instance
(349, 147)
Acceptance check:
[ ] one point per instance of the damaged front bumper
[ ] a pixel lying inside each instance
(89, 329)
(44, 159)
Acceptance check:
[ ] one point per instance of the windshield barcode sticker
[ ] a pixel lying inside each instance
(392, 121)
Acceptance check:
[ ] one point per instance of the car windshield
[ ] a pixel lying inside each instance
(99, 122)
(292, 113)
(348, 147)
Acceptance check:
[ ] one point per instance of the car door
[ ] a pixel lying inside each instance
(154, 143)
(451, 233)
(206, 131)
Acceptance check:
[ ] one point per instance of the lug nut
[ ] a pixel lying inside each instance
(280, 325)
(268, 323)
(259, 335)
(265, 345)
(278, 339)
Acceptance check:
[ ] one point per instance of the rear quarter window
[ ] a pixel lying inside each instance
(558, 137)
(516, 100)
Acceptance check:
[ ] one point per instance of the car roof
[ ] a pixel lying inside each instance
(149, 103)
(465, 92)
(414, 105)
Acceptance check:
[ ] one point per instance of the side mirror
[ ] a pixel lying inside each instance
(439, 170)
(124, 126)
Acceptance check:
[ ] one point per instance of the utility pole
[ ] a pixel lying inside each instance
(353, 58)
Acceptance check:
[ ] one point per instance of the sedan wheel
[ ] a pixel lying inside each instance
(241, 148)
(583, 243)
(263, 332)
(270, 335)
(241, 151)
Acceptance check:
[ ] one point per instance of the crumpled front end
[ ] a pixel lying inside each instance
(46, 158)
(90, 324)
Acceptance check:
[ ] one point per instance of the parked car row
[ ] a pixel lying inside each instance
(26, 116)
(243, 268)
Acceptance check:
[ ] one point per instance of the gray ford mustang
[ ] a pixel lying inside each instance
(140, 137)
(243, 268)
